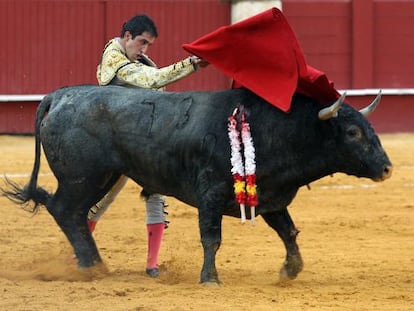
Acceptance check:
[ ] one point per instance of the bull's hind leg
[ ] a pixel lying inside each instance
(70, 207)
(282, 223)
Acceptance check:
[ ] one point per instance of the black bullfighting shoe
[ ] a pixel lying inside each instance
(152, 272)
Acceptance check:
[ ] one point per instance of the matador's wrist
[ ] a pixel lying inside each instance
(194, 60)
(198, 62)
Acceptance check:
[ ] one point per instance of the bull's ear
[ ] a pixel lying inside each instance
(332, 110)
(371, 107)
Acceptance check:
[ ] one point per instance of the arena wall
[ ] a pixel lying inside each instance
(360, 44)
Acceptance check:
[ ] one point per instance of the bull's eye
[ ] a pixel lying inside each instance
(354, 132)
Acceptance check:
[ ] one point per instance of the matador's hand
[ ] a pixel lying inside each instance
(199, 61)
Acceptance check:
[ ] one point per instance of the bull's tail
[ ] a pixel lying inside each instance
(31, 192)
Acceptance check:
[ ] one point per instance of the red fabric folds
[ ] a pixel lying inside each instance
(316, 84)
(262, 54)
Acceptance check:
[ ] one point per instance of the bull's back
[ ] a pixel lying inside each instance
(159, 139)
(146, 113)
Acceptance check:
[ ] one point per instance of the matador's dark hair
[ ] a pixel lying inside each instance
(138, 25)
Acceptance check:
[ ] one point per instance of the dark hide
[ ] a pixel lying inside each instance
(177, 144)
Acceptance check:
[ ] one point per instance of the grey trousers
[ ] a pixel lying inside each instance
(154, 204)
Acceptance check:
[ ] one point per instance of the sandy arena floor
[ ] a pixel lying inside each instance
(357, 241)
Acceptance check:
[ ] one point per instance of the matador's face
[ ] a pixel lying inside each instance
(136, 47)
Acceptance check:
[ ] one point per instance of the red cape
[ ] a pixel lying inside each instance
(262, 54)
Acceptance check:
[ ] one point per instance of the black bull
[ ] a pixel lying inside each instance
(177, 144)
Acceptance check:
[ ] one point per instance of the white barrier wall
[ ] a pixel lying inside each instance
(242, 9)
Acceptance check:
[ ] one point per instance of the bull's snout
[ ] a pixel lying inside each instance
(386, 173)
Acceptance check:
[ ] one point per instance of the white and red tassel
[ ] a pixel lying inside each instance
(237, 168)
(244, 174)
(250, 168)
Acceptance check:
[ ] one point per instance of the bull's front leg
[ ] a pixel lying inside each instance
(210, 231)
(282, 223)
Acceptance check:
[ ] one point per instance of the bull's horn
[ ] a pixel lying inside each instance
(371, 107)
(332, 110)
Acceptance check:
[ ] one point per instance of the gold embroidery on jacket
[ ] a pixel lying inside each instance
(115, 64)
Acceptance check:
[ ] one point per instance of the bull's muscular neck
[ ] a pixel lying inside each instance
(293, 149)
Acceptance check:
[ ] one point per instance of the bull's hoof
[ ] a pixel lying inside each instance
(210, 281)
(85, 265)
(211, 284)
(96, 272)
(284, 275)
(291, 268)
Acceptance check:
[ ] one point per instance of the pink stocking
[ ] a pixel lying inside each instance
(155, 233)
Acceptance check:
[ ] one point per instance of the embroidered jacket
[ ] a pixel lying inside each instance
(116, 68)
